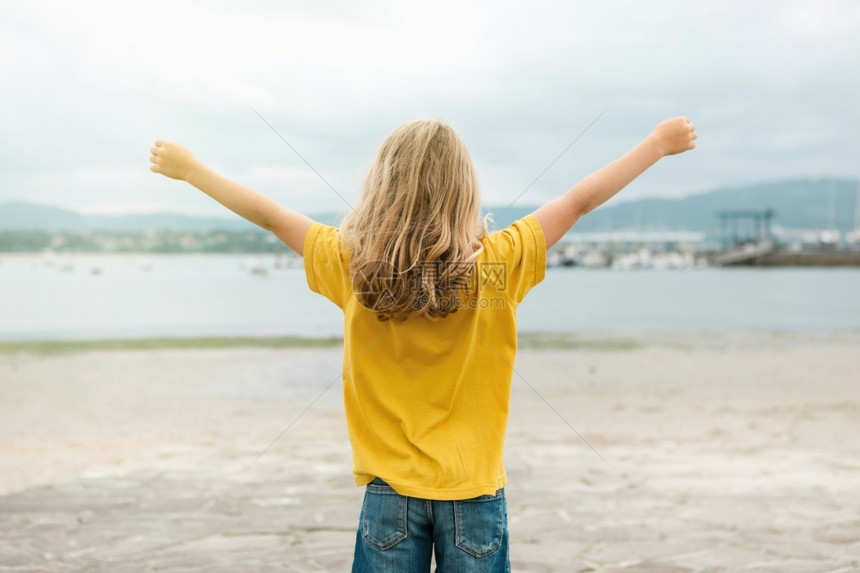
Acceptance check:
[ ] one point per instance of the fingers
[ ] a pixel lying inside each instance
(153, 158)
(693, 134)
(686, 120)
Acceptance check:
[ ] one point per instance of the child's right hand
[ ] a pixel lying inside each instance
(675, 135)
(172, 160)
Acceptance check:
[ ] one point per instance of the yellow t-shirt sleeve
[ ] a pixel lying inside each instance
(325, 266)
(521, 247)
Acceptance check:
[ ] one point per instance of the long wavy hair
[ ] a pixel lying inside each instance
(415, 236)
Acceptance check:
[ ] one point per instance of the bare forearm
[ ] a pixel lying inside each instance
(606, 182)
(174, 161)
(245, 202)
(560, 214)
(556, 217)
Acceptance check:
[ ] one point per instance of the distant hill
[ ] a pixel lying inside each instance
(799, 204)
(23, 215)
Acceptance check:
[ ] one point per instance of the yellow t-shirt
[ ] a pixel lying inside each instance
(427, 401)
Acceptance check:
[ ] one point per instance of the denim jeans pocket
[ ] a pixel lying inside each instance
(383, 517)
(480, 524)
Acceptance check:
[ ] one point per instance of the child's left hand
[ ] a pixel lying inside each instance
(171, 160)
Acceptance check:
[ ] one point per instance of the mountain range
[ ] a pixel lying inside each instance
(824, 203)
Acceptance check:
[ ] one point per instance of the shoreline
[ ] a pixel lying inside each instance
(546, 340)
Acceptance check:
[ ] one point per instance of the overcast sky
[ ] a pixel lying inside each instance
(87, 87)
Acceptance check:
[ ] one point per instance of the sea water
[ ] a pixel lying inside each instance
(130, 296)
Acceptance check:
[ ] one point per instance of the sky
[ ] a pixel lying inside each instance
(87, 87)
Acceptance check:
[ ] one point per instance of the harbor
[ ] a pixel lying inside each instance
(746, 238)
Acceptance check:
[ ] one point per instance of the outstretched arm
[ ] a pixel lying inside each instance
(174, 161)
(557, 216)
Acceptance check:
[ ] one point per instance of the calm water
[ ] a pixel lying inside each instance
(186, 295)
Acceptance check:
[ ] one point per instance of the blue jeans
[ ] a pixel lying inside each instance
(397, 534)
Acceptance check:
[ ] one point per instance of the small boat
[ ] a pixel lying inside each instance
(255, 267)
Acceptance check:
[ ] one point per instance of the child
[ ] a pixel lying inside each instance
(429, 298)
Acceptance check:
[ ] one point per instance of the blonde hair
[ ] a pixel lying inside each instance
(416, 233)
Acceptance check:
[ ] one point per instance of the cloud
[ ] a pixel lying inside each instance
(88, 86)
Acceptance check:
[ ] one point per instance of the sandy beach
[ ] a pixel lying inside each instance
(644, 452)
